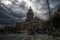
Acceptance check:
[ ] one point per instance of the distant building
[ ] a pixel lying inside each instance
(30, 22)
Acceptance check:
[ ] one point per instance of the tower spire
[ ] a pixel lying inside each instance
(30, 7)
(30, 14)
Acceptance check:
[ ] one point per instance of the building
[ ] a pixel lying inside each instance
(30, 22)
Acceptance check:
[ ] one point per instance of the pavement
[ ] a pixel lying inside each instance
(24, 36)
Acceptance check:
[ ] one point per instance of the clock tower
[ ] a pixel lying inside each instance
(30, 15)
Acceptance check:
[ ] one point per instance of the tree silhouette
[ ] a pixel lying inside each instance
(56, 19)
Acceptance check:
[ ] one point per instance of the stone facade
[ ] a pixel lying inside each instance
(30, 22)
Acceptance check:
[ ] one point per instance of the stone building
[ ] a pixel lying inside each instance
(30, 22)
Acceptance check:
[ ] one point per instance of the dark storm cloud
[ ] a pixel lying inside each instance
(20, 8)
(42, 7)
(4, 18)
(7, 17)
(3, 15)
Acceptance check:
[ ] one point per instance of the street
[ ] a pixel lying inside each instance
(25, 37)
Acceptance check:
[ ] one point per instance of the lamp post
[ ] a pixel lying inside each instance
(49, 11)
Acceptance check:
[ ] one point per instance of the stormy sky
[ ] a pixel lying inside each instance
(12, 11)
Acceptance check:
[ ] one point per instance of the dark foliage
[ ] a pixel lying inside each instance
(56, 19)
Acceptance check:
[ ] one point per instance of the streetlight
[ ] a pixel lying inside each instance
(49, 11)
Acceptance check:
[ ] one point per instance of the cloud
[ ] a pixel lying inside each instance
(6, 2)
(20, 8)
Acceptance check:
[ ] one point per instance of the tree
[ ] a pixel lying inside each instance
(56, 19)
